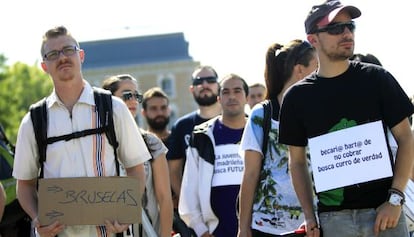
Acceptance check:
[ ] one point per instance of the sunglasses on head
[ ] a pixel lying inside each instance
(337, 28)
(199, 80)
(302, 49)
(127, 95)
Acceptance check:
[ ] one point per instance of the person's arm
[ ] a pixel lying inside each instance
(176, 173)
(302, 184)
(27, 196)
(252, 166)
(387, 214)
(163, 193)
(2, 201)
(139, 173)
(189, 204)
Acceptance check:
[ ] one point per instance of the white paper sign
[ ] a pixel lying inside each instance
(228, 166)
(349, 156)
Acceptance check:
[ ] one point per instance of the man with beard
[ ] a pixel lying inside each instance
(347, 100)
(214, 169)
(205, 90)
(156, 110)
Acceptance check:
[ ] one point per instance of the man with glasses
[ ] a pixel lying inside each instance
(205, 90)
(340, 112)
(71, 108)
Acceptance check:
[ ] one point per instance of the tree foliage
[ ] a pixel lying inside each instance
(20, 86)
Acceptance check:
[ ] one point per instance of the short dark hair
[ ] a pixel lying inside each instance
(368, 58)
(234, 76)
(154, 92)
(54, 33)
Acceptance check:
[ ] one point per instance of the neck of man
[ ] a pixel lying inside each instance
(210, 111)
(234, 122)
(161, 134)
(69, 92)
(328, 68)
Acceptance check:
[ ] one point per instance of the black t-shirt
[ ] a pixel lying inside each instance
(180, 135)
(316, 106)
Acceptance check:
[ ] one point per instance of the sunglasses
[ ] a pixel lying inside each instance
(337, 28)
(199, 80)
(127, 95)
(302, 49)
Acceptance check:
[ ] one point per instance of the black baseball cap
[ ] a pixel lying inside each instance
(323, 14)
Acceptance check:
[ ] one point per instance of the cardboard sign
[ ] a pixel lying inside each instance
(350, 156)
(89, 200)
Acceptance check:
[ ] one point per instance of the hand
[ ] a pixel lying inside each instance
(48, 230)
(387, 217)
(206, 234)
(115, 227)
(312, 229)
(244, 233)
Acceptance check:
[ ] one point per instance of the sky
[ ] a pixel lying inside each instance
(230, 35)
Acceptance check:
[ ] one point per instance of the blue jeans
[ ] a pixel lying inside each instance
(357, 223)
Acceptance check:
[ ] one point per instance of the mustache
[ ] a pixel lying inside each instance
(63, 61)
(206, 89)
(347, 41)
(160, 117)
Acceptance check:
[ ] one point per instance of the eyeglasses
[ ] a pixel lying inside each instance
(67, 51)
(199, 80)
(337, 28)
(127, 95)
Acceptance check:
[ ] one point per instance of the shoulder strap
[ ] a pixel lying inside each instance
(267, 115)
(3, 135)
(103, 101)
(38, 114)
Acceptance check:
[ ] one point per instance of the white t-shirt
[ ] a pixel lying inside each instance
(276, 209)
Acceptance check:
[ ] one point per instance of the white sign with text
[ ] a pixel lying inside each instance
(349, 156)
(228, 166)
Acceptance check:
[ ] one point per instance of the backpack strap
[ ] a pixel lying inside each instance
(38, 114)
(103, 101)
(3, 137)
(267, 115)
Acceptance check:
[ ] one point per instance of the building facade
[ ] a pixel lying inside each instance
(155, 60)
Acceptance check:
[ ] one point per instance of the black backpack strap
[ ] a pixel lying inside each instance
(38, 114)
(103, 101)
(267, 123)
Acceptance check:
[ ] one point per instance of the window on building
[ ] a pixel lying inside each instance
(167, 84)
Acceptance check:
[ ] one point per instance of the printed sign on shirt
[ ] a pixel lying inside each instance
(350, 156)
(228, 165)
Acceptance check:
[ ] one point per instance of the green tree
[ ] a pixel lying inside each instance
(20, 86)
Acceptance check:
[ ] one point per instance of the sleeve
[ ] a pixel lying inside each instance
(26, 159)
(252, 138)
(174, 142)
(291, 129)
(393, 95)
(155, 145)
(189, 205)
(132, 150)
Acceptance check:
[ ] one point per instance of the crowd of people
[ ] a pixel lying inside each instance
(292, 156)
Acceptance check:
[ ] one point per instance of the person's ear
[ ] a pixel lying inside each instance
(82, 55)
(311, 39)
(44, 67)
